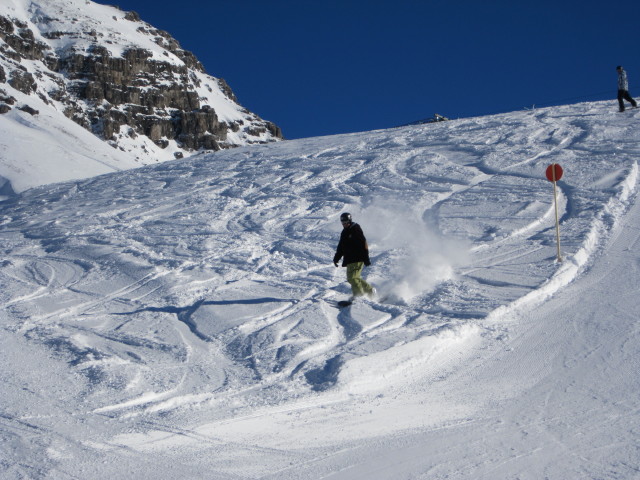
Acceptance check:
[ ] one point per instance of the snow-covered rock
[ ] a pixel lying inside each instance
(126, 82)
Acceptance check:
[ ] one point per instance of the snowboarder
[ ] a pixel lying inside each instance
(354, 251)
(623, 89)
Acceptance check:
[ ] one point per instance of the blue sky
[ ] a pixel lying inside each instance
(324, 67)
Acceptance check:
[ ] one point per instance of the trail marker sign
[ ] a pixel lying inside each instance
(554, 173)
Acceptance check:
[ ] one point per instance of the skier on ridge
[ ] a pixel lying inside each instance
(623, 89)
(355, 250)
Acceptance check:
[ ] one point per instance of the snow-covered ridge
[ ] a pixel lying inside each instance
(181, 319)
(78, 24)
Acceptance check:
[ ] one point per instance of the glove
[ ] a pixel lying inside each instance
(336, 264)
(367, 262)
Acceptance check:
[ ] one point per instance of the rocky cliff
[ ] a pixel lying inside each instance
(120, 78)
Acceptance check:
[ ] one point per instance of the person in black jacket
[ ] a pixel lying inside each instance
(354, 251)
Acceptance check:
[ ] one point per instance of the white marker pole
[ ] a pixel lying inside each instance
(555, 201)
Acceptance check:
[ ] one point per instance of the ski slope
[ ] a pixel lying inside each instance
(177, 321)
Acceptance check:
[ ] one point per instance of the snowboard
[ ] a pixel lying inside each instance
(340, 303)
(346, 303)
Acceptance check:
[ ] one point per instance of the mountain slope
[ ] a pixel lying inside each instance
(119, 78)
(178, 320)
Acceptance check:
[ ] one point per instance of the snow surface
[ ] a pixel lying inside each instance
(40, 149)
(178, 320)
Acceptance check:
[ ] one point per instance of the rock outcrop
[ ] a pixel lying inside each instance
(162, 93)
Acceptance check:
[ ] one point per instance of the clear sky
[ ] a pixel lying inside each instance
(337, 66)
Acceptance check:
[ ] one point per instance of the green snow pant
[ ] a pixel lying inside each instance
(358, 285)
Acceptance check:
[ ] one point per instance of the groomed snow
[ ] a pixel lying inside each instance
(178, 321)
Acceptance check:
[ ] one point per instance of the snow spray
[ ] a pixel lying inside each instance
(415, 258)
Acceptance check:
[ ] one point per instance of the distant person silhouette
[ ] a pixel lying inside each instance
(623, 89)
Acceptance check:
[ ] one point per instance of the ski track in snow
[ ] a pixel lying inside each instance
(193, 299)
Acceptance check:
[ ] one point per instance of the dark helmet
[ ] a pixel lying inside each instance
(345, 217)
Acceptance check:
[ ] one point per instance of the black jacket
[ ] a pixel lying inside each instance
(352, 246)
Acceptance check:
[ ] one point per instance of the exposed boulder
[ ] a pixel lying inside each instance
(22, 81)
(5, 98)
(29, 110)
